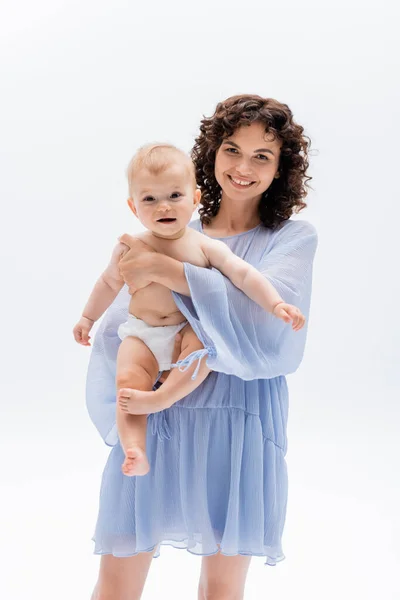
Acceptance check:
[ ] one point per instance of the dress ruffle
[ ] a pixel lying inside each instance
(198, 501)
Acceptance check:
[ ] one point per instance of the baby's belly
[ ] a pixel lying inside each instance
(155, 305)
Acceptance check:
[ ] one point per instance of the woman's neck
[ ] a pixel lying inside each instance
(232, 219)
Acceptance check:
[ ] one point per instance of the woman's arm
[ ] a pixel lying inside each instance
(240, 337)
(171, 273)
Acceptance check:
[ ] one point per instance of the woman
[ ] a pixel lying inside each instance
(218, 479)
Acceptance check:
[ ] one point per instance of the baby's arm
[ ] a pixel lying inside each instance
(251, 282)
(106, 289)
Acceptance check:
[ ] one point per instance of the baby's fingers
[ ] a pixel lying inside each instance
(298, 319)
(85, 337)
(283, 314)
(291, 314)
(77, 335)
(81, 336)
(299, 322)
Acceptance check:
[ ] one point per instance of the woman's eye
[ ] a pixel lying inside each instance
(231, 150)
(262, 156)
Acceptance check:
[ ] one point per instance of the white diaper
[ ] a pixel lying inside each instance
(160, 340)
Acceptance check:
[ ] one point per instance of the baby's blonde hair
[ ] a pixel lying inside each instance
(157, 158)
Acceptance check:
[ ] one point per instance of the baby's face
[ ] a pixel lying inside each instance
(164, 203)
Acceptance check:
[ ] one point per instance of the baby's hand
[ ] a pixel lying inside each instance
(289, 313)
(81, 331)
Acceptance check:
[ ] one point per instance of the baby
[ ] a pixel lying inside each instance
(163, 196)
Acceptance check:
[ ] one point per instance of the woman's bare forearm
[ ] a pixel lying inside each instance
(169, 272)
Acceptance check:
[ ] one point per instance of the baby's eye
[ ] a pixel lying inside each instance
(148, 199)
(175, 195)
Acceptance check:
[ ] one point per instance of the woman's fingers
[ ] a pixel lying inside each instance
(134, 243)
(177, 347)
(127, 239)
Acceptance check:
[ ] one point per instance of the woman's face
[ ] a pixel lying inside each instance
(247, 162)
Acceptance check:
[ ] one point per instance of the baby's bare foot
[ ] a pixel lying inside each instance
(135, 462)
(138, 402)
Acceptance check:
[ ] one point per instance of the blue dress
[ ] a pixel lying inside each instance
(218, 477)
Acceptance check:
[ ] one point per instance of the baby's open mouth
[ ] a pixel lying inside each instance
(166, 220)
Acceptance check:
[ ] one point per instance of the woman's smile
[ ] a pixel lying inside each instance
(240, 184)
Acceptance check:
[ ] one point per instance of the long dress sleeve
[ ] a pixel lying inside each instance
(100, 381)
(239, 337)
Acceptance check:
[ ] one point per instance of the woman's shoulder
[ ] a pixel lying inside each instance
(287, 230)
(297, 228)
(290, 234)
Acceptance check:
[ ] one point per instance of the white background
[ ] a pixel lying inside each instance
(83, 84)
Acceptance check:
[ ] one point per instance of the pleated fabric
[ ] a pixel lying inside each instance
(218, 478)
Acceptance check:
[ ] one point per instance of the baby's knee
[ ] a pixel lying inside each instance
(134, 376)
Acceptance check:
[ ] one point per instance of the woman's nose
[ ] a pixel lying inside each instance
(244, 168)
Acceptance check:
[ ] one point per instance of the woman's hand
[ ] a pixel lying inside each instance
(136, 265)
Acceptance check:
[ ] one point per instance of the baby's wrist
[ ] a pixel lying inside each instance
(275, 306)
(88, 319)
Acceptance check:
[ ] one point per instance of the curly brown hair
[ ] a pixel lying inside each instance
(285, 194)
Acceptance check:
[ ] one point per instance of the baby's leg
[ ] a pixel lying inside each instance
(177, 385)
(137, 368)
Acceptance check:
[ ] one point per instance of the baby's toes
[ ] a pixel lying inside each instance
(127, 465)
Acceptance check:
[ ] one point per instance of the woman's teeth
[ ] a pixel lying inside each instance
(239, 182)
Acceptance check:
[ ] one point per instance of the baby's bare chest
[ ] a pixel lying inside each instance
(188, 249)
